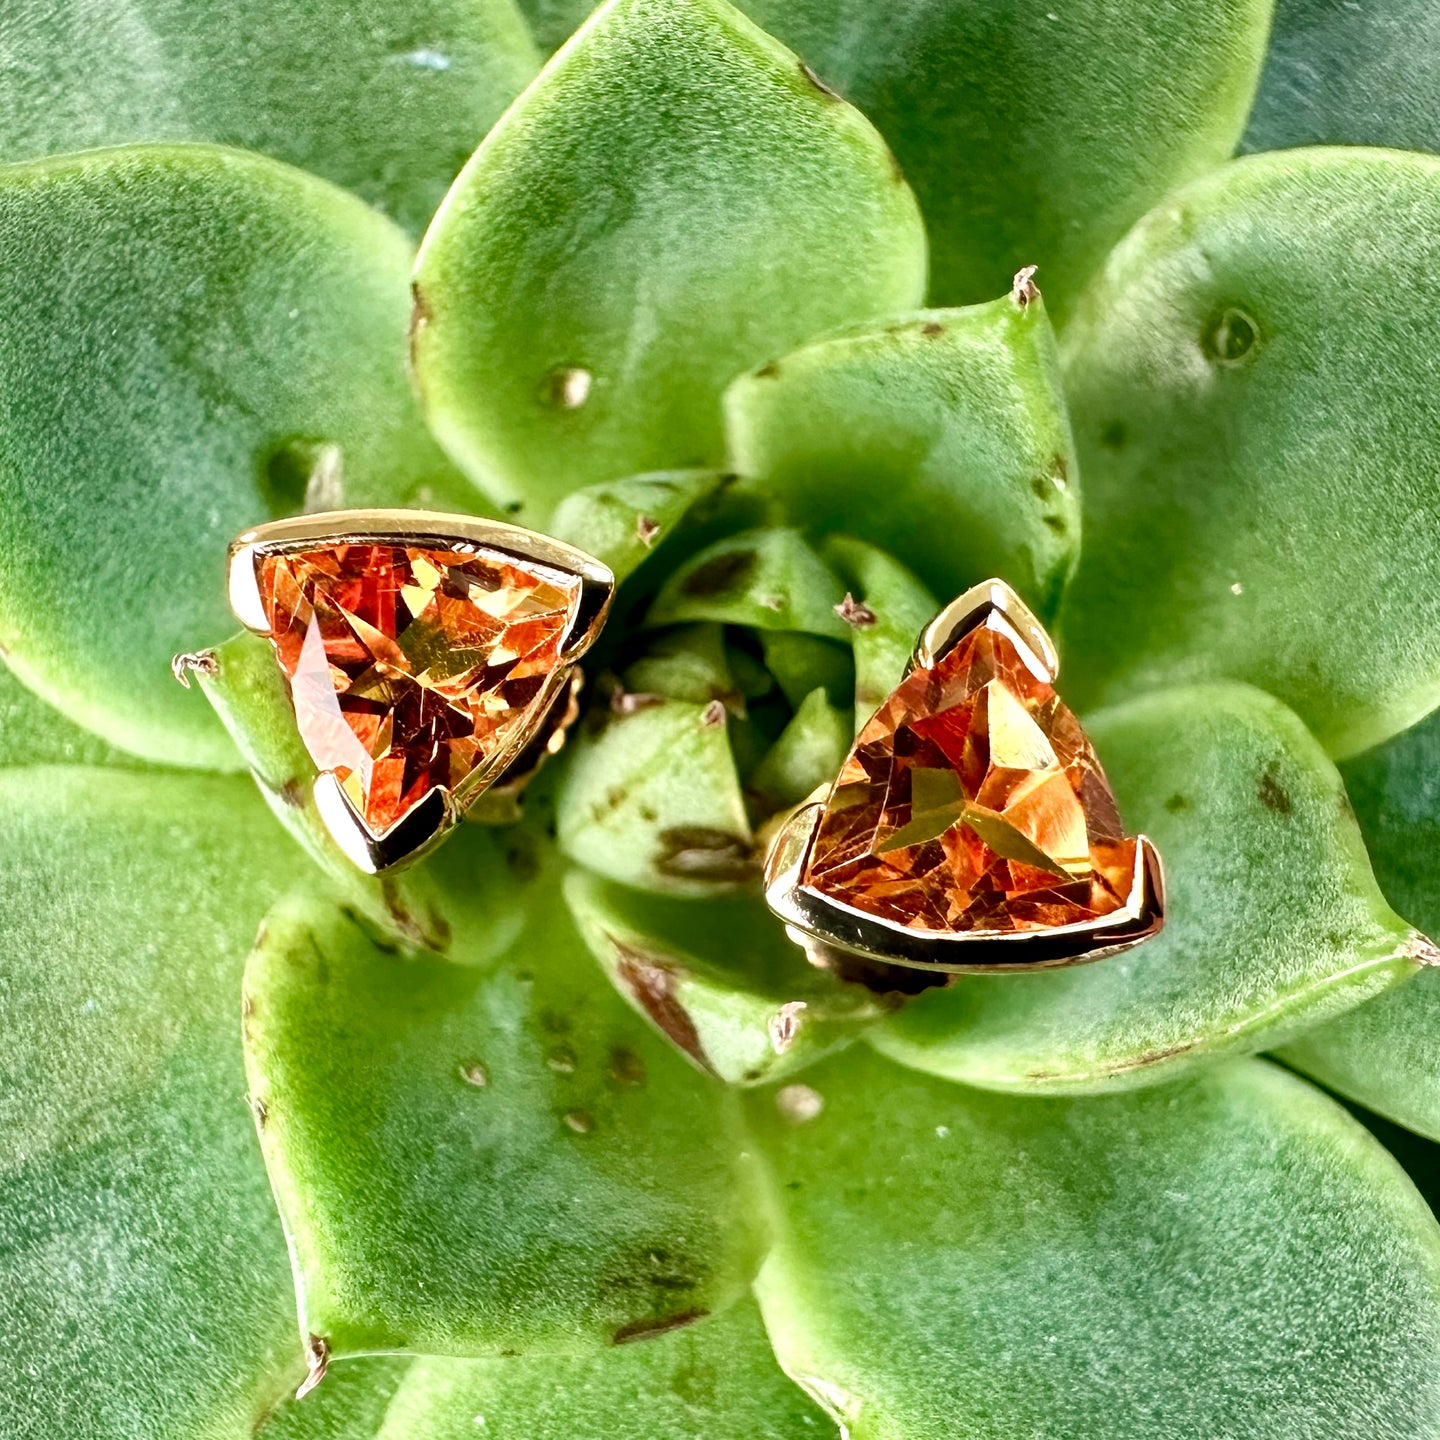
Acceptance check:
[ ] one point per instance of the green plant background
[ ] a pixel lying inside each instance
(558, 1135)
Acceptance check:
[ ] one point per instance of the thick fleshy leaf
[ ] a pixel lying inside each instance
(690, 663)
(1344, 74)
(622, 521)
(718, 1380)
(719, 979)
(1385, 1053)
(1273, 918)
(1260, 488)
(810, 751)
(183, 331)
(768, 579)
(1234, 1256)
(481, 1161)
(673, 201)
(802, 664)
(485, 867)
(387, 97)
(1035, 132)
(653, 799)
(34, 733)
(895, 607)
(942, 436)
(144, 1285)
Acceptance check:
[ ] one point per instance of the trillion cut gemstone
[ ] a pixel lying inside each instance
(973, 801)
(411, 666)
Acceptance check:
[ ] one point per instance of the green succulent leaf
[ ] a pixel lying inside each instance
(809, 752)
(1273, 918)
(672, 202)
(1260, 483)
(718, 1379)
(1234, 1256)
(653, 799)
(942, 435)
(719, 979)
(802, 664)
(1341, 74)
(769, 579)
(481, 1161)
(896, 607)
(34, 733)
(144, 1284)
(1383, 1054)
(182, 331)
(486, 867)
(1035, 133)
(623, 521)
(384, 97)
(689, 662)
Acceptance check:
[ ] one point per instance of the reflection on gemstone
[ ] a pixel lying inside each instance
(973, 801)
(409, 667)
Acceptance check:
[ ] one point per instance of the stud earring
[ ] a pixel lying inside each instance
(971, 828)
(427, 657)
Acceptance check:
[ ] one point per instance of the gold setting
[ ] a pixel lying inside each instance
(427, 821)
(822, 924)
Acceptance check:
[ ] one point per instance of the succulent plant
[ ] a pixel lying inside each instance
(566, 1085)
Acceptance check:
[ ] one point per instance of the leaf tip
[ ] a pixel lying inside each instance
(317, 1362)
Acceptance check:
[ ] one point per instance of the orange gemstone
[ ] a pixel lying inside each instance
(410, 667)
(973, 801)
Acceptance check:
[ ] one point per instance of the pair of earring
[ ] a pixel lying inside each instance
(430, 658)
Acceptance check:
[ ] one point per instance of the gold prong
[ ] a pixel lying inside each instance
(416, 832)
(245, 587)
(966, 611)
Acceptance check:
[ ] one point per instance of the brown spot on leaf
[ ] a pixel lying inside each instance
(473, 1072)
(1023, 289)
(645, 1329)
(933, 329)
(258, 1110)
(651, 984)
(627, 1069)
(624, 702)
(578, 1122)
(721, 573)
(1177, 804)
(419, 319)
(646, 530)
(696, 852)
(767, 372)
(292, 793)
(1273, 795)
(712, 717)
(818, 83)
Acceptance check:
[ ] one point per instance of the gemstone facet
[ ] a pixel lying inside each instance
(411, 666)
(973, 802)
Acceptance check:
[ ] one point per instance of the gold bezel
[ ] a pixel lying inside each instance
(819, 923)
(439, 810)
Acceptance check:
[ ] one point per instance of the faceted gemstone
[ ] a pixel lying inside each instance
(973, 801)
(410, 666)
